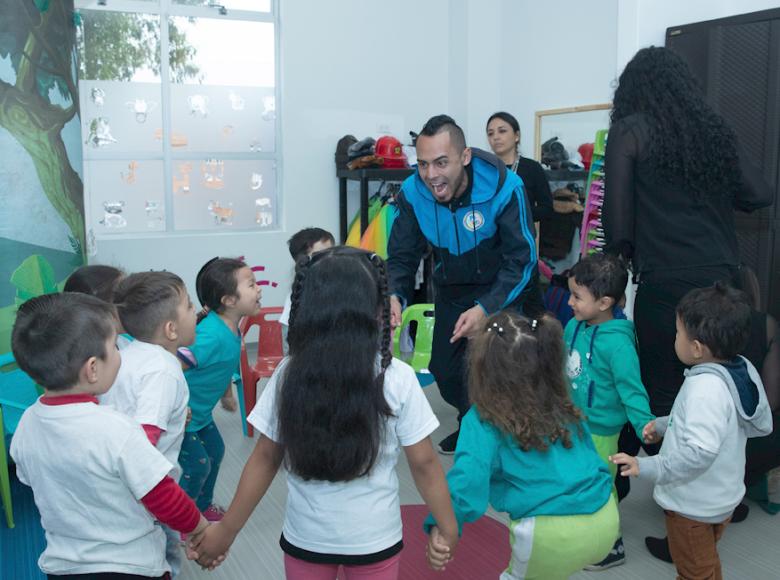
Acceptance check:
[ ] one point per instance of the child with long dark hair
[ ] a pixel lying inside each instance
(525, 448)
(337, 412)
(227, 290)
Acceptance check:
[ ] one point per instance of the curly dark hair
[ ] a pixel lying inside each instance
(517, 382)
(691, 145)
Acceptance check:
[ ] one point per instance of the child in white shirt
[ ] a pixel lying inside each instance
(97, 481)
(700, 468)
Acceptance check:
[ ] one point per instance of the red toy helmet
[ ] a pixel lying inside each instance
(389, 148)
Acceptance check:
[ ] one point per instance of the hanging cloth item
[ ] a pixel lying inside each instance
(374, 205)
(377, 235)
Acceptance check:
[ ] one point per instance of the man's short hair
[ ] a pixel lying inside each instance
(301, 242)
(55, 334)
(439, 123)
(147, 300)
(602, 274)
(718, 317)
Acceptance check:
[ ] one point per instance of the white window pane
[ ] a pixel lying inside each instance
(125, 196)
(224, 52)
(120, 117)
(227, 119)
(224, 194)
(250, 5)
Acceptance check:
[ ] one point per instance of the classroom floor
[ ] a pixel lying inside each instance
(749, 550)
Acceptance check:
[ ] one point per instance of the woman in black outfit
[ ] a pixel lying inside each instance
(673, 180)
(503, 134)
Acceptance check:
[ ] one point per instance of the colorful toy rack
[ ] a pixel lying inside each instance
(592, 230)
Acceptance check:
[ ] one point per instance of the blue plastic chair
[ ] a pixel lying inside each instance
(17, 392)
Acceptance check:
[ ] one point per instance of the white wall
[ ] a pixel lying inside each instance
(354, 66)
(644, 22)
(554, 54)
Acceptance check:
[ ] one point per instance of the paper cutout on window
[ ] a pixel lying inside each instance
(141, 109)
(255, 145)
(154, 214)
(236, 101)
(112, 218)
(98, 96)
(257, 181)
(269, 108)
(263, 212)
(223, 216)
(129, 177)
(227, 130)
(177, 139)
(99, 133)
(182, 184)
(199, 105)
(213, 173)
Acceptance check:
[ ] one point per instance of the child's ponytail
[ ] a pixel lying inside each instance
(215, 280)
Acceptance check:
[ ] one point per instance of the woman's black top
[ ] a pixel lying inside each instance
(662, 224)
(537, 188)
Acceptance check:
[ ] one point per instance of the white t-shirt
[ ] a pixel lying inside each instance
(151, 388)
(88, 467)
(704, 415)
(284, 317)
(362, 516)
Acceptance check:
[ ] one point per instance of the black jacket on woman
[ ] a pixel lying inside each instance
(664, 225)
(537, 188)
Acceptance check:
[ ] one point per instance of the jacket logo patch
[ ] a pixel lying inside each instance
(574, 366)
(473, 220)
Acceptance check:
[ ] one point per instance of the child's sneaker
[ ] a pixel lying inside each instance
(214, 513)
(616, 557)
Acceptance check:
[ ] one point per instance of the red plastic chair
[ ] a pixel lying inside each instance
(269, 354)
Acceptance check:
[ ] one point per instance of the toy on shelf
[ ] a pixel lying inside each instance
(592, 231)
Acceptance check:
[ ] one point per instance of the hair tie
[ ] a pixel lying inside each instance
(534, 325)
(499, 329)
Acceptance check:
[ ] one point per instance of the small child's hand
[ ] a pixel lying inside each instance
(649, 434)
(628, 464)
(189, 416)
(210, 548)
(228, 401)
(439, 551)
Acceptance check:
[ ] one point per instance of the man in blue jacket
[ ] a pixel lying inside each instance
(474, 213)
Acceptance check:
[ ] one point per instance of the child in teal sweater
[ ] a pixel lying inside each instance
(525, 449)
(603, 365)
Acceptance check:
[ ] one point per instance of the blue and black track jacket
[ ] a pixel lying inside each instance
(483, 242)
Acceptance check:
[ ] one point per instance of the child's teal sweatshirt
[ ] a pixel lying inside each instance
(603, 368)
(490, 468)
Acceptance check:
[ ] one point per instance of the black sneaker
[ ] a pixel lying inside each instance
(616, 557)
(448, 444)
(659, 548)
(740, 513)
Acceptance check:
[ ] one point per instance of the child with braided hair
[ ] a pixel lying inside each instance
(337, 412)
(525, 449)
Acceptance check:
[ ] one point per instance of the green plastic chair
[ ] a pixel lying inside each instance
(423, 315)
(17, 392)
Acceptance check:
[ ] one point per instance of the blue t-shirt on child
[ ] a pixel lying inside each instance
(216, 352)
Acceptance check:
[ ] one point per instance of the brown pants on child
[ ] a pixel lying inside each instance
(693, 547)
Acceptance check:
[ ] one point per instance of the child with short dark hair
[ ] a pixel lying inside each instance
(698, 473)
(97, 279)
(524, 447)
(603, 364)
(156, 310)
(302, 244)
(227, 290)
(96, 479)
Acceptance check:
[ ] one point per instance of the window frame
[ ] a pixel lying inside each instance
(166, 9)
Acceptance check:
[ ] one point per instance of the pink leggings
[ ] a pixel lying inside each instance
(296, 569)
